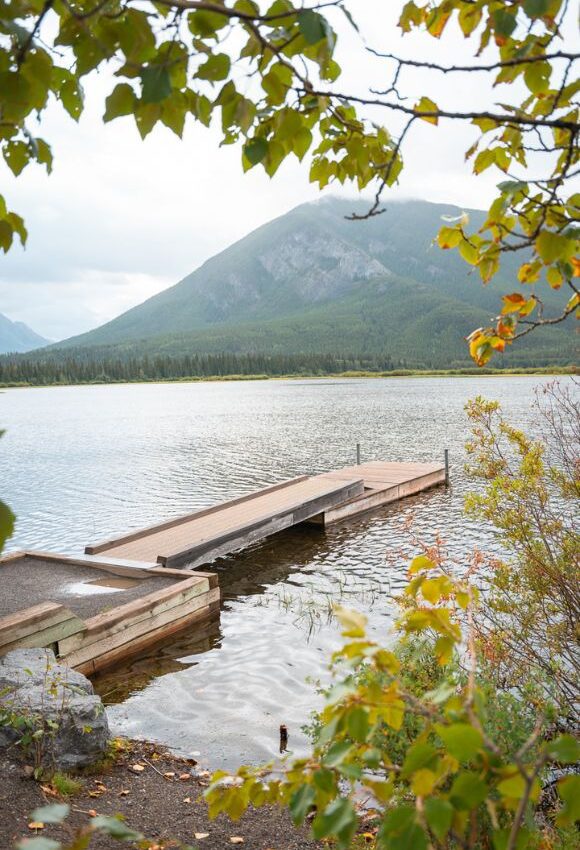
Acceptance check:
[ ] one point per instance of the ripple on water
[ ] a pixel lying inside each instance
(84, 463)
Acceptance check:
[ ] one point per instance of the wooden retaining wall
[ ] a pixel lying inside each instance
(92, 644)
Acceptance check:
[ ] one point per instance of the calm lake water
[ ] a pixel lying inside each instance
(82, 463)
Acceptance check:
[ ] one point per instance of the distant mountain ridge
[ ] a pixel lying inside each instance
(18, 337)
(313, 281)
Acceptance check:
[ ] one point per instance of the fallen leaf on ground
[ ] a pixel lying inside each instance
(169, 774)
(35, 824)
(124, 793)
(236, 839)
(137, 768)
(92, 813)
(95, 793)
(184, 776)
(49, 790)
(199, 835)
(187, 799)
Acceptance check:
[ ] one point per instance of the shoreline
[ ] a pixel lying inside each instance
(468, 372)
(154, 790)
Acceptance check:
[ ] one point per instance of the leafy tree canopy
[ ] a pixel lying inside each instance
(174, 58)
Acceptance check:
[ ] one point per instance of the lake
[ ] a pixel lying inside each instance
(83, 463)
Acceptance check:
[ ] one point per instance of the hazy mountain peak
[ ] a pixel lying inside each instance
(16, 336)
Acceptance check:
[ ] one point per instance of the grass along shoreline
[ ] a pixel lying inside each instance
(394, 373)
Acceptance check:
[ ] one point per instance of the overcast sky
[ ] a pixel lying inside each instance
(120, 219)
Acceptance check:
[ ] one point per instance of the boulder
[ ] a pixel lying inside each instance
(39, 695)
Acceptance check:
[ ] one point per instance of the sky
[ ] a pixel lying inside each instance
(119, 219)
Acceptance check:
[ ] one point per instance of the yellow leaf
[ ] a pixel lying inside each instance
(419, 563)
(423, 782)
(528, 307)
(449, 237)
(427, 105)
(353, 623)
(529, 272)
(554, 277)
(512, 303)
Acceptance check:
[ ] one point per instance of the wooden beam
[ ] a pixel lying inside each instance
(39, 625)
(160, 623)
(146, 641)
(140, 611)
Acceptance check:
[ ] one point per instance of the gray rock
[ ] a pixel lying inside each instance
(39, 693)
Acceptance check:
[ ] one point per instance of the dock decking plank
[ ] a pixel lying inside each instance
(206, 533)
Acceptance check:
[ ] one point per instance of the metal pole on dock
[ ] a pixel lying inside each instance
(447, 467)
(358, 454)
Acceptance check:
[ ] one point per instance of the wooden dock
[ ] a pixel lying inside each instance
(54, 600)
(204, 535)
(320, 499)
(82, 628)
(383, 483)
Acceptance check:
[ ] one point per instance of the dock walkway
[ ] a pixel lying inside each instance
(201, 536)
(321, 499)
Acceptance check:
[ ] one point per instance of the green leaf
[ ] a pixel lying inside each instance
(17, 156)
(338, 819)
(216, 68)
(569, 791)
(337, 753)
(71, 97)
(301, 803)
(54, 813)
(504, 23)
(206, 24)
(537, 77)
(400, 830)
(121, 101)
(116, 828)
(146, 116)
(312, 26)
(276, 83)
(418, 756)
(565, 749)
(551, 246)
(461, 740)
(358, 724)
(536, 8)
(39, 843)
(513, 786)
(468, 791)
(6, 515)
(256, 150)
(156, 84)
(501, 838)
(439, 814)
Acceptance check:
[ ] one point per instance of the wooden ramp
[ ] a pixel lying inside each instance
(201, 536)
(383, 483)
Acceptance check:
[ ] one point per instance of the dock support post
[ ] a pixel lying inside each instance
(358, 454)
(447, 467)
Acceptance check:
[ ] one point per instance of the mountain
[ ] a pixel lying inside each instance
(313, 281)
(16, 336)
